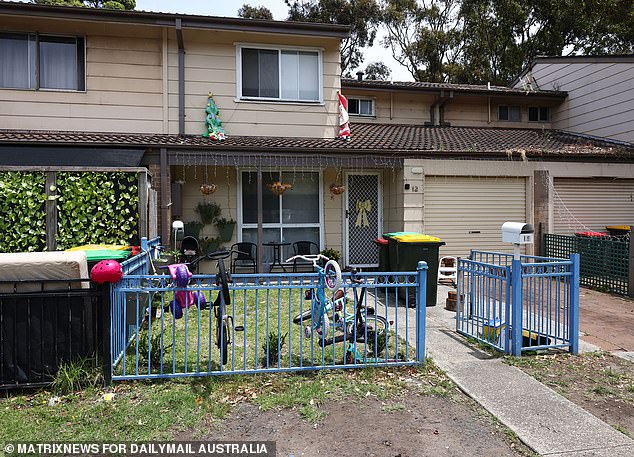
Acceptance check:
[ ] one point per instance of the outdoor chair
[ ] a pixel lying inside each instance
(246, 256)
(304, 248)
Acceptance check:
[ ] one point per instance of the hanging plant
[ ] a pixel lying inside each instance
(337, 189)
(278, 188)
(208, 212)
(208, 189)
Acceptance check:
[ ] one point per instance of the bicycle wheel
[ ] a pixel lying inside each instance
(224, 285)
(369, 324)
(224, 346)
(333, 275)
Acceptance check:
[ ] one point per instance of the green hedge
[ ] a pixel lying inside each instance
(22, 212)
(96, 208)
(91, 207)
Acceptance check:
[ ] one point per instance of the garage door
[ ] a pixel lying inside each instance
(591, 204)
(468, 212)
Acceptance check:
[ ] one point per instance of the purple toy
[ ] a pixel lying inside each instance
(184, 298)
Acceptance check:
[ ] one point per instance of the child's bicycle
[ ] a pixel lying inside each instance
(329, 278)
(220, 305)
(364, 332)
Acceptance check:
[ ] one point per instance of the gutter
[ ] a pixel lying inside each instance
(181, 76)
(167, 19)
(457, 90)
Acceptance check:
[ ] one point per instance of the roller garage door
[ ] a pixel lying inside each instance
(591, 204)
(468, 212)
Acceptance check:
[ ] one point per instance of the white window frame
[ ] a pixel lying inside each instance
(538, 108)
(362, 98)
(279, 49)
(280, 225)
(37, 63)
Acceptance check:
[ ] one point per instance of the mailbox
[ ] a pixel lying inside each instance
(517, 233)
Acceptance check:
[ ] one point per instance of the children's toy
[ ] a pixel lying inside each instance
(184, 298)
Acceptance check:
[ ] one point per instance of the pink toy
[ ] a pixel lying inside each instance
(183, 298)
(106, 271)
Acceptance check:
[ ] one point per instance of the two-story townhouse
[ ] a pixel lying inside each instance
(113, 88)
(600, 103)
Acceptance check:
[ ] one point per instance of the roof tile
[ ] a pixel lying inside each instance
(407, 140)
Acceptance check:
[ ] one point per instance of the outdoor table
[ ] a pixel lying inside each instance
(277, 254)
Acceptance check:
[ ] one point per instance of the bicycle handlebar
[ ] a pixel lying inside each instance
(314, 258)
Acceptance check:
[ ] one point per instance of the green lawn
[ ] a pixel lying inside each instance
(147, 410)
(269, 339)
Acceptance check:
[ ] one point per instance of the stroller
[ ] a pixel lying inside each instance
(189, 251)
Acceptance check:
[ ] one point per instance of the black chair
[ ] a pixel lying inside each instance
(246, 256)
(303, 248)
(190, 250)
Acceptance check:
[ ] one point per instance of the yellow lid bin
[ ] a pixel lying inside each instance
(416, 238)
(405, 250)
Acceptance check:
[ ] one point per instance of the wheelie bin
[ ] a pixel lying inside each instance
(384, 257)
(406, 249)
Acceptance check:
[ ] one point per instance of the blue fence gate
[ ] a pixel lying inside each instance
(147, 340)
(519, 305)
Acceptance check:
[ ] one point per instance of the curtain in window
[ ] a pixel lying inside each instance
(58, 63)
(260, 73)
(17, 61)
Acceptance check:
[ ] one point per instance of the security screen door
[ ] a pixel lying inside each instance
(362, 219)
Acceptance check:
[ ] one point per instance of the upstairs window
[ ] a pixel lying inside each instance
(360, 107)
(509, 113)
(32, 61)
(538, 114)
(280, 74)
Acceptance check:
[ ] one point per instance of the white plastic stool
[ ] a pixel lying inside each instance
(446, 272)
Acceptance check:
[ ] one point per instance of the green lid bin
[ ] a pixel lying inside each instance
(406, 249)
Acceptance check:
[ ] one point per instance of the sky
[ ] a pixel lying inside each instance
(229, 8)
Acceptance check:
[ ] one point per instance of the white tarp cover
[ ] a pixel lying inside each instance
(42, 266)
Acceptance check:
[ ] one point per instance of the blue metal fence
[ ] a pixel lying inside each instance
(148, 341)
(140, 264)
(519, 305)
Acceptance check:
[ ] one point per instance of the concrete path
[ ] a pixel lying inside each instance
(544, 420)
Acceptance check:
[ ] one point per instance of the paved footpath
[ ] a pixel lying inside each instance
(545, 421)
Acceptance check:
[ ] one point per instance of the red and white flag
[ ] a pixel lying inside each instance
(344, 120)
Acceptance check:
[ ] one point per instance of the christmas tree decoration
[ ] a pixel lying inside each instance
(213, 122)
(344, 119)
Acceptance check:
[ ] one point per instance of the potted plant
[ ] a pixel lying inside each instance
(225, 228)
(208, 244)
(208, 212)
(332, 254)
(193, 228)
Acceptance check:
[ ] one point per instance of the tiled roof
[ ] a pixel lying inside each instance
(464, 88)
(367, 138)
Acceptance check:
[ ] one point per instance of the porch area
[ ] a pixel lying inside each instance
(332, 203)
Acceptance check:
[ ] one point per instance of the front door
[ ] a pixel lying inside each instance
(363, 208)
